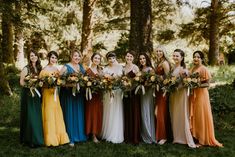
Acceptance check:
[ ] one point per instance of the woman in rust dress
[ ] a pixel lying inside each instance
(131, 104)
(201, 118)
(162, 68)
(94, 106)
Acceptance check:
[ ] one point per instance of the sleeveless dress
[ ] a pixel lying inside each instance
(179, 112)
(147, 115)
(163, 118)
(94, 109)
(53, 121)
(131, 105)
(73, 110)
(112, 127)
(202, 126)
(31, 131)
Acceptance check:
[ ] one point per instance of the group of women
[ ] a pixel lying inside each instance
(57, 119)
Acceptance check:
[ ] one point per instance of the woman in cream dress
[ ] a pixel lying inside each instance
(112, 127)
(179, 105)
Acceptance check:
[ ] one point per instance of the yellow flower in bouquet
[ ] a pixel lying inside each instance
(153, 78)
(48, 80)
(85, 78)
(192, 81)
(89, 83)
(170, 83)
(31, 81)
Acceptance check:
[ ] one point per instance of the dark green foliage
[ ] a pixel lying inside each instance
(166, 36)
(13, 76)
(98, 46)
(122, 46)
(231, 56)
(222, 99)
(197, 31)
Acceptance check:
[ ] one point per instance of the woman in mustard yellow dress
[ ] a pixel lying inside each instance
(201, 118)
(52, 116)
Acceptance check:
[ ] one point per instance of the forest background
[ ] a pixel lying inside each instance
(120, 25)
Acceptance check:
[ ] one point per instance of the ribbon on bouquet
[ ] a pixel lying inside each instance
(154, 95)
(164, 94)
(74, 89)
(111, 96)
(188, 91)
(88, 93)
(142, 88)
(55, 94)
(36, 90)
(157, 87)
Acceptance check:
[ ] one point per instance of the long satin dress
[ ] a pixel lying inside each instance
(179, 112)
(112, 126)
(163, 118)
(73, 110)
(202, 126)
(53, 121)
(147, 115)
(31, 130)
(131, 105)
(94, 110)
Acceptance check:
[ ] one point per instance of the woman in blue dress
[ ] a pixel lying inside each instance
(73, 104)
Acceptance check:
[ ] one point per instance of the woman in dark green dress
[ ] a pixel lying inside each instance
(31, 131)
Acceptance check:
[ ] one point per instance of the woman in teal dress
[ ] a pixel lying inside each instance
(31, 131)
(73, 105)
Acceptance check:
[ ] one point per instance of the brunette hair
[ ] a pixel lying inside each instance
(38, 63)
(182, 63)
(50, 54)
(202, 56)
(148, 61)
(94, 54)
(110, 54)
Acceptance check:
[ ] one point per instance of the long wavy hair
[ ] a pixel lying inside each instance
(38, 63)
(148, 61)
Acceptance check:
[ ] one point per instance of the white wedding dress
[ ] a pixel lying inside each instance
(112, 127)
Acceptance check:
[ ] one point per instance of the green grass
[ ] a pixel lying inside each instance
(223, 106)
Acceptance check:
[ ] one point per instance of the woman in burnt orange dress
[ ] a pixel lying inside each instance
(162, 68)
(201, 119)
(94, 106)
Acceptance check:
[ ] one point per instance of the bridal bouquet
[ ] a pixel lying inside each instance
(170, 84)
(126, 83)
(32, 82)
(92, 84)
(48, 80)
(142, 80)
(74, 80)
(110, 83)
(191, 81)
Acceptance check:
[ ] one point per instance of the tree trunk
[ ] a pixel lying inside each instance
(4, 84)
(141, 26)
(214, 33)
(7, 33)
(19, 38)
(87, 30)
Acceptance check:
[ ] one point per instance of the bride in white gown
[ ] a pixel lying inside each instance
(112, 127)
